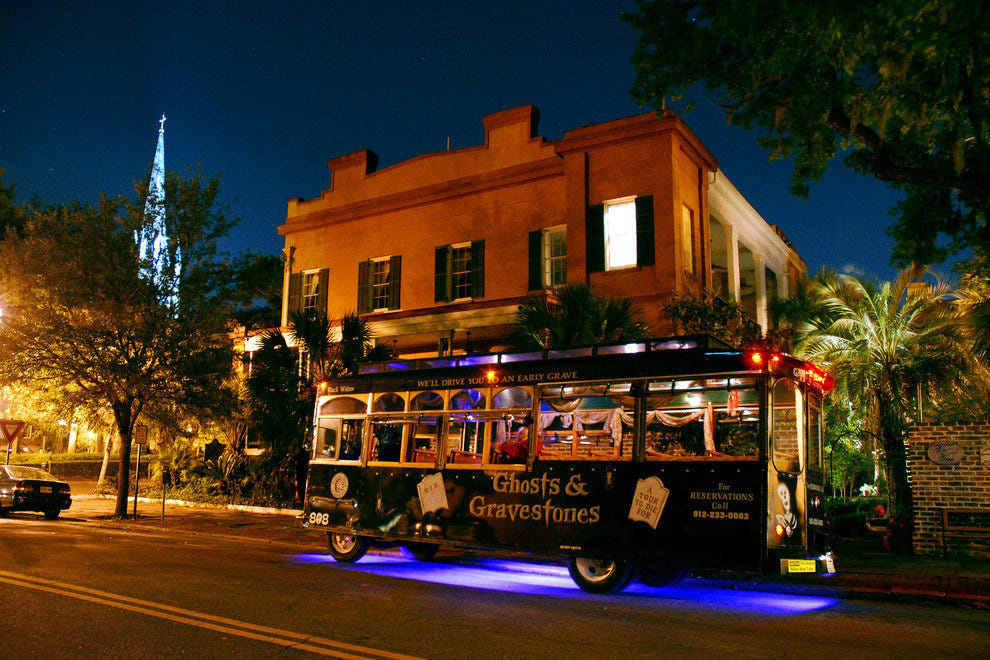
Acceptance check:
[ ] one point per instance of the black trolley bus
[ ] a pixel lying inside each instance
(674, 452)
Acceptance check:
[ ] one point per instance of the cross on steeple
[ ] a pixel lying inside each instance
(161, 124)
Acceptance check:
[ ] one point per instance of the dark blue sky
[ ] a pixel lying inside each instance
(265, 93)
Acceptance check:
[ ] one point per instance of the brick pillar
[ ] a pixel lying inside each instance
(962, 485)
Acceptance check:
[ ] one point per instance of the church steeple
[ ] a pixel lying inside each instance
(153, 244)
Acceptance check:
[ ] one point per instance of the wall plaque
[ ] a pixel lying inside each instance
(945, 453)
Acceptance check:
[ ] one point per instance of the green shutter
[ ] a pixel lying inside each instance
(536, 260)
(441, 289)
(364, 287)
(322, 290)
(478, 269)
(394, 281)
(594, 238)
(295, 292)
(645, 250)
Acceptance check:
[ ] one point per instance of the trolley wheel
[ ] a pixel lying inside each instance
(420, 551)
(661, 575)
(601, 576)
(51, 514)
(346, 548)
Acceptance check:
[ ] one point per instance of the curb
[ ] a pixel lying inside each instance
(206, 505)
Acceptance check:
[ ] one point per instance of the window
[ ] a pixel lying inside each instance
(460, 271)
(547, 258)
(787, 428)
(378, 284)
(308, 291)
(814, 434)
(687, 238)
(339, 439)
(619, 234)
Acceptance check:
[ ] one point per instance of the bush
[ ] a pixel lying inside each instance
(73, 465)
(848, 518)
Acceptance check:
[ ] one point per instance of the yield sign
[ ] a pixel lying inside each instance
(10, 428)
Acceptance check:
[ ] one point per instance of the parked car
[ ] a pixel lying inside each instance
(24, 488)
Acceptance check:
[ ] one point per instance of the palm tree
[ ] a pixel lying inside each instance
(975, 302)
(312, 333)
(884, 345)
(281, 403)
(574, 315)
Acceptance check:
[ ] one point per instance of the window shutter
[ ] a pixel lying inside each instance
(478, 269)
(645, 250)
(295, 292)
(364, 287)
(322, 289)
(441, 289)
(394, 281)
(536, 260)
(594, 238)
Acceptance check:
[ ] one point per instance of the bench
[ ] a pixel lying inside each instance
(966, 524)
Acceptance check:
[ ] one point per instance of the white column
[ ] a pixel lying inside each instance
(287, 254)
(761, 291)
(732, 255)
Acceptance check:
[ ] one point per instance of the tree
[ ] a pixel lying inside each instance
(11, 215)
(85, 322)
(574, 315)
(283, 381)
(257, 278)
(899, 87)
(884, 345)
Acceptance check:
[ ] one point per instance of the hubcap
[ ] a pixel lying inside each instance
(595, 570)
(344, 542)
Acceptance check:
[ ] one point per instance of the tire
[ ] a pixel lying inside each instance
(601, 576)
(346, 548)
(4, 512)
(420, 551)
(660, 575)
(52, 514)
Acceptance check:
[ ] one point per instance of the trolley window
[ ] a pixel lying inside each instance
(712, 418)
(512, 397)
(814, 452)
(390, 402)
(467, 400)
(592, 421)
(344, 405)
(787, 426)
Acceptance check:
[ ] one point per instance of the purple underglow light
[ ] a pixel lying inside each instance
(554, 580)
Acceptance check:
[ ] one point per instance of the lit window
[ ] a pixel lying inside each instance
(310, 291)
(380, 283)
(620, 234)
(460, 271)
(555, 257)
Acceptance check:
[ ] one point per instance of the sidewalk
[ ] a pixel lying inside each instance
(865, 570)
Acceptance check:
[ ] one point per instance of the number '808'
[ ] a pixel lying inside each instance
(317, 518)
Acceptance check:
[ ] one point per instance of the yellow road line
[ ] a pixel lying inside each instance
(286, 638)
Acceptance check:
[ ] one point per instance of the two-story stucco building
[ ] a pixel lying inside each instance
(446, 245)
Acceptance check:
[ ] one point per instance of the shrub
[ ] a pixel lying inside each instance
(849, 518)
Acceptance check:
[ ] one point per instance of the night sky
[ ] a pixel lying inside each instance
(266, 93)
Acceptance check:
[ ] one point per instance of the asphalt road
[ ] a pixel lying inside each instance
(74, 590)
